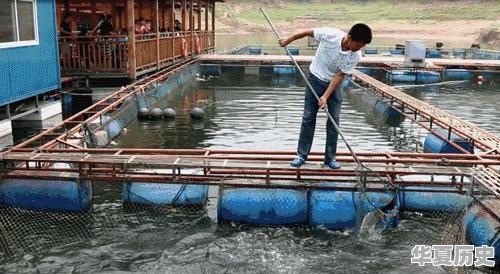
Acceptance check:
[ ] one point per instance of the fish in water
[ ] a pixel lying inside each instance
(372, 226)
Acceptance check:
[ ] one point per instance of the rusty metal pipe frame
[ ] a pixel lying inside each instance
(245, 182)
(442, 125)
(388, 164)
(361, 76)
(119, 169)
(61, 124)
(129, 91)
(433, 162)
(401, 108)
(136, 87)
(437, 134)
(225, 152)
(77, 155)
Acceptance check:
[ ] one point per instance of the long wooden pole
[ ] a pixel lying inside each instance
(206, 15)
(212, 35)
(163, 16)
(93, 18)
(183, 14)
(191, 26)
(199, 16)
(172, 26)
(132, 62)
(156, 21)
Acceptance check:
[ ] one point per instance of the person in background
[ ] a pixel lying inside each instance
(66, 40)
(84, 44)
(65, 29)
(102, 18)
(177, 25)
(107, 26)
(337, 55)
(141, 27)
(104, 27)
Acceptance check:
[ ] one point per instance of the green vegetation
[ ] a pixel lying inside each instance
(367, 11)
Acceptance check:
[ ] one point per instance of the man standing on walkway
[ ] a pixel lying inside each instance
(337, 55)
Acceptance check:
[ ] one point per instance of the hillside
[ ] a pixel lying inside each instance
(457, 23)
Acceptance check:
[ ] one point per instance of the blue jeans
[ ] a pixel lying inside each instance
(309, 119)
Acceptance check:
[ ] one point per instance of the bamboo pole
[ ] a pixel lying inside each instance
(131, 40)
(183, 14)
(206, 15)
(212, 35)
(172, 21)
(155, 21)
(199, 15)
(191, 26)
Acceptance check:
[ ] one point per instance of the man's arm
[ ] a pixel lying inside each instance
(334, 83)
(299, 35)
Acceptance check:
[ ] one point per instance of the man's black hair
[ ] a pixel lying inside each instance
(361, 33)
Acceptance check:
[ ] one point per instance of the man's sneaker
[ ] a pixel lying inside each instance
(333, 164)
(297, 162)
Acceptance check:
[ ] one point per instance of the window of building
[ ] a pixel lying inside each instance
(18, 23)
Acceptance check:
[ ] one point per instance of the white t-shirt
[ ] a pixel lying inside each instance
(330, 58)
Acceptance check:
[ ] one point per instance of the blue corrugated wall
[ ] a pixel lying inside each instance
(30, 70)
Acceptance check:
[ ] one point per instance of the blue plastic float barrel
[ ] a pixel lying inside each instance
(397, 51)
(165, 194)
(434, 144)
(368, 70)
(414, 76)
(433, 53)
(481, 227)
(266, 70)
(370, 51)
(293, 51)
(338, 209)
(459, 53)
(482, 55)
(402, 76)
(284, 69)
(235, 71)
(414, 198)
(428, 77)
(67, 103)
(211, 69)
(458, 74)
(382, 109)
(391, 116)
(262, 206)
(112, 126)
(254, 50)
(46, 195)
